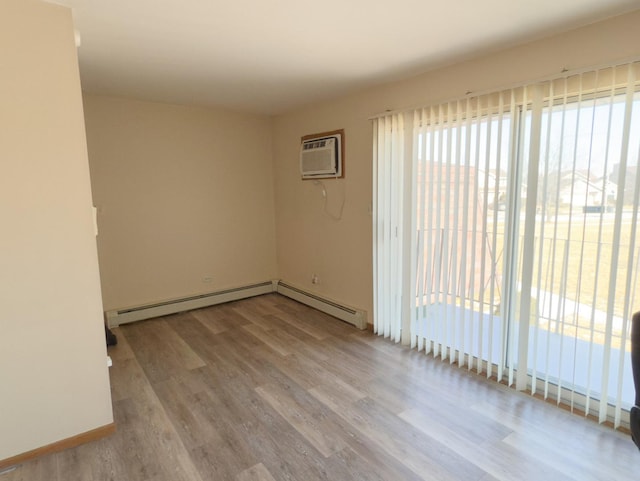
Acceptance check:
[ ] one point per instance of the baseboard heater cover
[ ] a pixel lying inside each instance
(353, 316)
(123, 316)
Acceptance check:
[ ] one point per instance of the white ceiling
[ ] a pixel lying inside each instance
(270, 56)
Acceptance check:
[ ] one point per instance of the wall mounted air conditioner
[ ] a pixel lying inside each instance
(321, 155)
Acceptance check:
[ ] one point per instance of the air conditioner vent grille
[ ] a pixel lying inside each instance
(314, 145)
(321, 157)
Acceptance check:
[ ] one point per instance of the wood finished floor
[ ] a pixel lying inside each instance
(268, 389)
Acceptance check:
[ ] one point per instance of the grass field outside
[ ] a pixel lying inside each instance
(572, 274)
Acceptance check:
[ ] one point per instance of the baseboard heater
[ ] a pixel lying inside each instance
(353, 316)
(123, 316)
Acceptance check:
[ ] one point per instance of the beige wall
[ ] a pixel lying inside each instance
(53, 373)
(340, 252)
(183, 193)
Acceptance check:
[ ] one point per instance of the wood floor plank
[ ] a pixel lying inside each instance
(45, 468)
(497, 459)
(336, 393)
(563, 456)
(307, 372)
(75, 465)
(347, 367)
(317, 430)
(366, 465)
(128, 380)
(182, 409)
(398, 395)
(200, 338)
(269, 338)
(270, 438)
(315, 331)
(147, 443)
(335, 327)
(424, 456)
(253, 361)
(218, 460)
(266, 305)
(304, 345)
(534, 424)
(174, 347)
(271, 367)
(256, 318)
(255, 473)
(287, 333)
(148, 338)
(211, 318)
(145, 446)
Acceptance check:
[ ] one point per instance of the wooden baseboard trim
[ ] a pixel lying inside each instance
(58, 446)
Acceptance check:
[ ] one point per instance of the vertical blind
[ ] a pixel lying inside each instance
(388, 210)
(505, 234)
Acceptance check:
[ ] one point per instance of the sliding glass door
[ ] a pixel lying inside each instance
(509, 225)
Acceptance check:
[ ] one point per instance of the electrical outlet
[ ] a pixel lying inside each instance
(315, 279)
(207, 279)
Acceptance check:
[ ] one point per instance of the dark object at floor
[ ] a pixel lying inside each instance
(634, 423)
(634, 415)
(112, 340)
